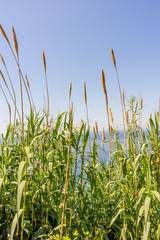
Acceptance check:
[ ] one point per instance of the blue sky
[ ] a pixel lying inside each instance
(76, 37)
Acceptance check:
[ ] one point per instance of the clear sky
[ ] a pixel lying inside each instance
(76, 37)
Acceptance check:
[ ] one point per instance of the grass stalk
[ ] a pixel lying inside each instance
(109, 126)
(67, 173)
(114, 63)
(44, 65)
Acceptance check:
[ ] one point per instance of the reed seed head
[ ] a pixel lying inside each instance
(127, 118)
(44, 61)
(113, 58)
(85, 93)
(96, 127)
(94, 131)
(70, 90)
(103, 135)
(103, 82)
(4, 34)
(141, 102)
(111, 115)
(27, 80)
(71, 111)
(15, 43)
(150, 116)
(123, 95)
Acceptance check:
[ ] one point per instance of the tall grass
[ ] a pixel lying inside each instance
(51, 188)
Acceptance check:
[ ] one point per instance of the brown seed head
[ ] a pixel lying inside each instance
(15, 43)
(3, 77)
(70, 90)
(103, 82)
(96, 127)
(44, 61)
(71, 111)
(150, 116)
(4, 34)
(127, 118)
(113, 58)
(123, 94)
(111, 115)
(85, 93)
(103, 135)
(141, 102)
(94, 131)
(27, 80)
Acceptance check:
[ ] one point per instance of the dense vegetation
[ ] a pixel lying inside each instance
(56, 182)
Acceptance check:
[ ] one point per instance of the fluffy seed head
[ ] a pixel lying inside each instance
(44, 61)
(85, 93)
(96, 127)
(4, 34)
(15, 43)
(113, 58)
(111, 115)
(103, 135)
(70, 90)
(27, 80)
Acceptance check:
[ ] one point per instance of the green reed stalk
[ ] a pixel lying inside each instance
(114, 63)
(85, 98)
(44, 65)
(109, 126)
(67, 172)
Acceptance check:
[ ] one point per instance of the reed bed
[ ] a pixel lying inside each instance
(57, 182)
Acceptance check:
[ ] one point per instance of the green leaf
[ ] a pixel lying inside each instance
(156, 194)
(8, 132)
(1, 181)
(146, 208)
(20, 170)
(141, 211)
(137, 158)
(19, 195)
(146, 231)
(114, 219)
(14, 223)
(38, 232)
